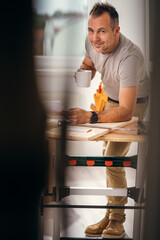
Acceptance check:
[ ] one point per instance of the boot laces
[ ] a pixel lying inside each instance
(102, 221)
(112, 224)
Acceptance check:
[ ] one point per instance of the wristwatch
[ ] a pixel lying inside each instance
(94, 117)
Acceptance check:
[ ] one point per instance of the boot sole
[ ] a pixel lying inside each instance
(93, 234)
(105, 235)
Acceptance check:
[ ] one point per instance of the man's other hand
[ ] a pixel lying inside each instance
(78, 116)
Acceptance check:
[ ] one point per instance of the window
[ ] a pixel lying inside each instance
(60, 27)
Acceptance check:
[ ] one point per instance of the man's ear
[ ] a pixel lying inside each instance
(117, 29)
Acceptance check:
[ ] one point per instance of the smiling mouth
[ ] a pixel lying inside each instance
(97, 44)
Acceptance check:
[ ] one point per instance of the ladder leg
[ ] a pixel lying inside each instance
(138, 217)
(40, 227)
(58, 181)
(56, 224)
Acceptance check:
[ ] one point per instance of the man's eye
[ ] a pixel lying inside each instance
(90, 30)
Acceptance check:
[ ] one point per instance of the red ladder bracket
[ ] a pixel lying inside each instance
(108, 163)
(126, 163)
(90, 162)
(72, 162)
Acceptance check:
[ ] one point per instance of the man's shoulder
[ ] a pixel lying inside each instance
(128, 47)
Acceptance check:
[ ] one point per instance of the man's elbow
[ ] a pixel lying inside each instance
(128, 114)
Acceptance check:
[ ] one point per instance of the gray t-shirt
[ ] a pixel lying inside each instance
(124, 67)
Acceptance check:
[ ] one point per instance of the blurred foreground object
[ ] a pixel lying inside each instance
(152, 215)
(23, 155)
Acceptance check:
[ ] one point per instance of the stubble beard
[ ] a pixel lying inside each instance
(109, 46)
(104, 48)
(97, 48)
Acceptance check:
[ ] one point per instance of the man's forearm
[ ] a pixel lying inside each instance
(80, 116)
(117, 114)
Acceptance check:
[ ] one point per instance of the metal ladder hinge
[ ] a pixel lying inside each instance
(133, 193)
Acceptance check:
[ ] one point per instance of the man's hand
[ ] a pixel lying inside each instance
(87, 64)
(78, 115)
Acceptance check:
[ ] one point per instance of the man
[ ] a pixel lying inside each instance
(121, 65)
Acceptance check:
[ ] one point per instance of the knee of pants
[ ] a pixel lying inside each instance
(116, 177)
(116, 171)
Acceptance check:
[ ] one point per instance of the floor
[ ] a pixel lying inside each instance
(74, 221)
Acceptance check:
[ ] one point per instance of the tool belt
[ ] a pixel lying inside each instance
(100, 99)
(139, 100)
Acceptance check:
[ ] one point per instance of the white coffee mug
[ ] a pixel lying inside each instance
(83, 78)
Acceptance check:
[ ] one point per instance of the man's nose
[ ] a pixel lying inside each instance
(96, 36)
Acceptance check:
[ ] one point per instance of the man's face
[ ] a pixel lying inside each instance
(102, 37)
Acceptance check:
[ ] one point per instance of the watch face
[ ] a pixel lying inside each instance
(94, 117)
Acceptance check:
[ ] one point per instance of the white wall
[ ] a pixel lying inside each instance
(131, 20)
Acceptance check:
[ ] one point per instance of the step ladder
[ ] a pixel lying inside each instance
(59, 192)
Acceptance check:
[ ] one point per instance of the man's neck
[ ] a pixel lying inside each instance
(114, 46)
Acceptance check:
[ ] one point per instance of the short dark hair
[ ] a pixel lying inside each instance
(99, 8)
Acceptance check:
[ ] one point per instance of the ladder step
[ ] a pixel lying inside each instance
(93, 238)
(54, 205)
(102, 161)
(98, 191)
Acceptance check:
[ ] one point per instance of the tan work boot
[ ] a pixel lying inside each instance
(97, 229)
(114, 229)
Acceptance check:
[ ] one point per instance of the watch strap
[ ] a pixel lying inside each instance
(94, 117)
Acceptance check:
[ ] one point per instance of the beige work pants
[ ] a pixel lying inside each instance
(116, 176)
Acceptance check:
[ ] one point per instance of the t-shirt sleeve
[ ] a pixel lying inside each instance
(130, 71)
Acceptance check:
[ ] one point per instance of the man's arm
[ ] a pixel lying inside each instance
(87, 64)
(124, 112)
